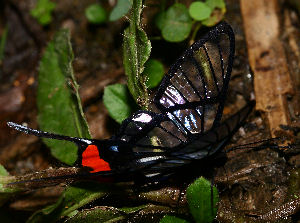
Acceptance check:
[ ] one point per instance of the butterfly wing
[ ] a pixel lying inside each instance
(189, 105)
(150, 137)
(193, 92)
(190, 98)
(151, 131)
(157, 146)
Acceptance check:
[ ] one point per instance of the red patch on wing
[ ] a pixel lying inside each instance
(91, 158)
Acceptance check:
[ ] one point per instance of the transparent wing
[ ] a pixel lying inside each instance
(150, 137)
(193, 92)
(190, 98)
(158, 146)
(148, 132)
(189, 105)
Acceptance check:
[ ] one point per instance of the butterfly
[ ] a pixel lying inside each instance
(183, 124)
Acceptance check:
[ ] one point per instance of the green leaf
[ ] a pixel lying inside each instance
(121, 9)
(118, 102)
(199, 11)
(136, 51)
(5, 179)
(178, 23)
(59, 107)
(3, 171)
(42, 11)
(6, 192)
(219, 9)
(212, 20)
(160, 19)
(172, 219)
(72, 198)
(2, 44)
(216, 4)
(96, 14)
(199, 200)
(154, 70)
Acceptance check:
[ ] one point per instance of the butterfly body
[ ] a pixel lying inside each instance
(183, 125)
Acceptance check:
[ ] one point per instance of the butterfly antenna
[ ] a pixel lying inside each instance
(261, 143)
(49, 135)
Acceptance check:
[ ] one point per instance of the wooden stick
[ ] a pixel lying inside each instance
(268, 61)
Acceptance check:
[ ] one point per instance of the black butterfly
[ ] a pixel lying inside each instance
(183, 124)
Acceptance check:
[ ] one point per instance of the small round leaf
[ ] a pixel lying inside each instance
(212, 20)
(42, 11)
(120, 9)
(178, 23)
(199, 11)
(160, 19)
(215, 4)
(118, 102)
(154, 71)
(95, 14)
(219, 9)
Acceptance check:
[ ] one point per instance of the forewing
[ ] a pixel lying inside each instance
(189, 103)
(151, 137)
(147, 132)
(193, 92)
